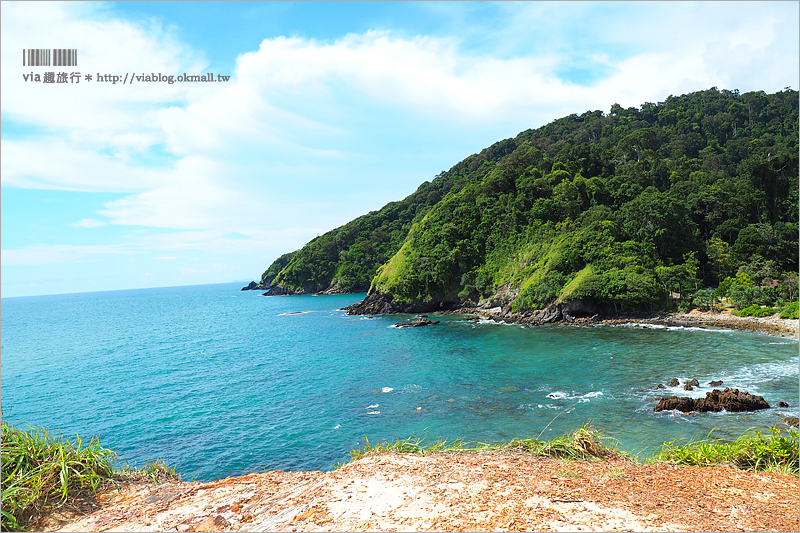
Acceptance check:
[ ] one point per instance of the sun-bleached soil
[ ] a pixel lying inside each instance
(457, 491)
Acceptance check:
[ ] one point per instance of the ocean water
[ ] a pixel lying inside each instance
(224, 382)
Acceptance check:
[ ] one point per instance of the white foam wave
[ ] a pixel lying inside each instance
(387, 389)
(373, 412)
(582, 398)
(373, 406)
(642, 325)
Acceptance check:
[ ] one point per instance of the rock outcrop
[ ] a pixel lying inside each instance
(417, 322)
(282, 291)
(729, 399)
(384, 304)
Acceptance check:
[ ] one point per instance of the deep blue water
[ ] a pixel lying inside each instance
(225, 382)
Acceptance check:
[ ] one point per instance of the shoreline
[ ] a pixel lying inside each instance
(783, 327)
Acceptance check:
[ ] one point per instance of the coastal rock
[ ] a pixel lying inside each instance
(251, 286)
(783, 404)
(731, 400)
(715, 383)
(282, 291)
(384, 304)
(675, 403)
(792, 421)
(660, 386)
(687, 386)
(332, 289)
(674, 382)
(694, 383)
(416, 323)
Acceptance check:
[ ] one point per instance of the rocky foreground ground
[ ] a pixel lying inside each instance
(456, 491)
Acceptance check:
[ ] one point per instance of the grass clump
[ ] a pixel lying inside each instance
(41, 472)
(584, 443)
(752, 451)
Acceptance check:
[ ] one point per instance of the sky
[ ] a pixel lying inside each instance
(331, 110)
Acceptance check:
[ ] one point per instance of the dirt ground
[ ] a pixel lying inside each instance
(456, 491)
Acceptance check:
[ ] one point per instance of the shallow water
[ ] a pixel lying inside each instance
(225, 382)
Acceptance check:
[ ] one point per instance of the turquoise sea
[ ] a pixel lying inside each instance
(224, 382)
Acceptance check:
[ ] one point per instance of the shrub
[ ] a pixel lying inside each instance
(743, 296)
(749, 310)
(790, 311)
(764, 311)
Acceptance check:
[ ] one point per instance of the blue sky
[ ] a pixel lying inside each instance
(332, 110)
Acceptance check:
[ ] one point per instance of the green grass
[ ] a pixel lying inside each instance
(584, 443)
(752, 451)
(41, 472)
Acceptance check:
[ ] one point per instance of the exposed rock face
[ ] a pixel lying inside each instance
(252, 286)
(694, 383)
(332, 289)
(714, 383)
(791, 420)
(385, 304)
(417, 322)
(674, 382)
(281, 291)
(687, 386)
(731, 400)
(783, 404)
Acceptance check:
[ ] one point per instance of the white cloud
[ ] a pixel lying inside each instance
(53, 163)
(89, 223)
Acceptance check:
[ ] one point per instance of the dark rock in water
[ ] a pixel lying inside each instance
(688, 386)
(674, 403)
(783, 404)
(729, 400)
(791, 420)
(416, 323)
(674, 382)
(660, 386)
(694, 383)
(714, 383)
(251, 286)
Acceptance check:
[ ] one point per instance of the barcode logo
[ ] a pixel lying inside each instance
(42, 57)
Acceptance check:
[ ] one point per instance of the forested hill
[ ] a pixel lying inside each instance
(615, 210)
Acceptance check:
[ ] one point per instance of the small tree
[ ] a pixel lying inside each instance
(718, 252)
(706, 298)
(742, 296)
